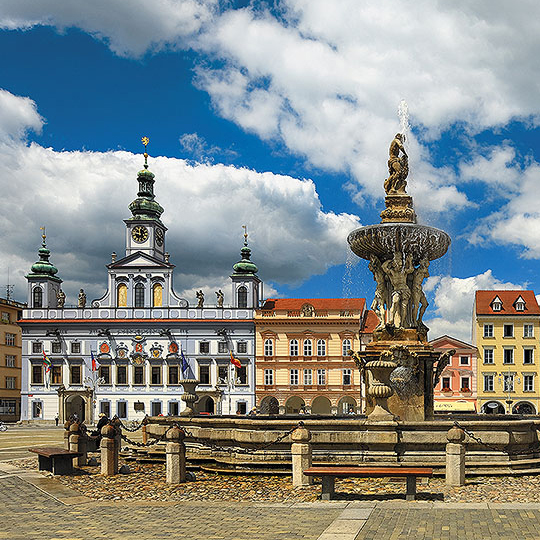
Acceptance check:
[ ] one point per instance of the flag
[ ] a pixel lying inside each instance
(94, 363)
(234, 361)
(47, 363)
(185, 364)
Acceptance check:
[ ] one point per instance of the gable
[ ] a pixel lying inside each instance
(139, 260)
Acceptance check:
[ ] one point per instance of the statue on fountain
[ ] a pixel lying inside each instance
(397, 272)
(398, 167)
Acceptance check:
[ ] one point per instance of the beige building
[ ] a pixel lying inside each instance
(10, 360)
(302, 360)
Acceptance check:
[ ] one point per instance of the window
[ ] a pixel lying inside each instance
(157, 295)
(508, 382)
(496, 305)
(465, 384)
(75, 372)
(121, 375)
(37, 297)
(528, 330)
(139, 295)
(268, 377)
(121, 295)
(241, 407)
(37, 347)
(463, 360)
(488, 356)
(346, 347)
(8, 406)
(5, 317)
(308, 377)
(241, 347)
(508, 356)
(155, 408)
(223, 374)
(105, 408)
(121, 409)
(37, 374)
(241, 375)
(321, 377)
(321, 347)
(10, 383)
(204, 347)
(308, 347)
(528, 356)
(242, 297)
(222, 347)
(36, 409)
(75, 347)
(105, 373)
(174, 408)
(489, 385)
(268, 347)
(155, 375)
(56, 347)
(520, 305)
(204, 374)
(508, 330)
(445, 384)
(294, 377)
(347, 377)
(56, 375)
(10, 360)
(488, 330)
(293, 347)
(173, 375)
(138, 375)
(528, 383)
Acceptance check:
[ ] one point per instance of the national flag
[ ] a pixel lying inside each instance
(185, 364)
(234, 361)
(47, 363)
(94, 363)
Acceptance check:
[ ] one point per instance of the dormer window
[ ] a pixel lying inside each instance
(496, 305)
(520, 304)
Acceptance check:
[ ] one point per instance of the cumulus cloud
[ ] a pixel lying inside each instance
(82, 197)
(200, 150)
(18, 115)
(453, 302)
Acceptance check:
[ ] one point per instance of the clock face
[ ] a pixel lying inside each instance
(159, 237)
(139, 234)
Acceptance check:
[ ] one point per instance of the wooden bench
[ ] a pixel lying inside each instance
(329, 474)
(55, 460)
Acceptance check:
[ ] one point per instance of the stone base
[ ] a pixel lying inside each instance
(399, 209)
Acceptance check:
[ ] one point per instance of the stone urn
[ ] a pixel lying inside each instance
(379, 389)
(189, 397)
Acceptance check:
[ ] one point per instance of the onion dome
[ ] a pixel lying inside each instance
(43, 267)
(245, 266)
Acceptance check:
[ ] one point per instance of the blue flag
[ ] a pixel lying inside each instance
(185, 364)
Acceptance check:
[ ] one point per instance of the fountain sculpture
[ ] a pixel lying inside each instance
(399, 362)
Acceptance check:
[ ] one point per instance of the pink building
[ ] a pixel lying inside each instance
(456, 389)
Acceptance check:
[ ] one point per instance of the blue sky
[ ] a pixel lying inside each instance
(277, 115)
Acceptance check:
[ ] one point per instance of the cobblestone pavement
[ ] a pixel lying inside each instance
(15, 441)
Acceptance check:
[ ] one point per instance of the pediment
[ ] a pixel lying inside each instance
(139, 260)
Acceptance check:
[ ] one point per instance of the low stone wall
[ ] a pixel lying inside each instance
(353, 440)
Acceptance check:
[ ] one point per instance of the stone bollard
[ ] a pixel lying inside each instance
(67, 424)
(144, 434)
(77, 443)
(115, 422)
(301, 455)
(176, 456)
(109, 463)
(455, 457)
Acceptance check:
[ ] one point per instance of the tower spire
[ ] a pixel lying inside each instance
(246, 265)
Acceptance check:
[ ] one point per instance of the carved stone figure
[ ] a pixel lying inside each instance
(60, 298)
(220, 298)
(397, 271)
(82, 298)
(308, 310)
(419, 299)
(380, 292)
(398, 167)
(444, 360)
(200, 299)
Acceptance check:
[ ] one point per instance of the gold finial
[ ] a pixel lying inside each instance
(43, 235)
(145, 141)
(245, 234)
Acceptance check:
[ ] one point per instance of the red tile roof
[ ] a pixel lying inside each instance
(318, 303)
(484, 299)
(370, 323)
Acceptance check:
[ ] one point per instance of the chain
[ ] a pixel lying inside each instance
(534, 450)
(134, 423)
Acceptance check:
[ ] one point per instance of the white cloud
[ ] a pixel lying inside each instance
(82, 198)
(18, 115)
(453, 302)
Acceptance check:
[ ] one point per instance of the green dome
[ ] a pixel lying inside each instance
(43, 267)
(144, 206)
(147, 173)
(245, 266)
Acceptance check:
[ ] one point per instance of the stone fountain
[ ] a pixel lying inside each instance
(399, 362)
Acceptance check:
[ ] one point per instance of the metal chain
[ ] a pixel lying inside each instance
(131, 429)
(534, 450)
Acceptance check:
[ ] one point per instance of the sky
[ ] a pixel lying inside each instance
(277, 115)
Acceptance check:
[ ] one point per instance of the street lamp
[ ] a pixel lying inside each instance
(508, 381)
(93, 382)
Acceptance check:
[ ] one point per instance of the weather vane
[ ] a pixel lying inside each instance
(145, 141)
(245, 234)
(43, 235)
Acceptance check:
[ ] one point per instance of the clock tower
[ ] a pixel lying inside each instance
(145, 232)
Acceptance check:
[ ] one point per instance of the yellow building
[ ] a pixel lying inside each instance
(10, 360)
(302, 357)
(506, 331)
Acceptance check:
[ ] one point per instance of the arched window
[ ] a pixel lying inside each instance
(121, 295)
(242, 297)
(139, 295)
(346, 347)
(321, 347)
(268, 347)
(37, 297)
(293, 347)
(308, 347)
(157, 297)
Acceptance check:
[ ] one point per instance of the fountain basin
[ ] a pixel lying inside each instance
(385, 239)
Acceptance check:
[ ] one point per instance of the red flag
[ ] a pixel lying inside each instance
(234, 361)
(94, 363)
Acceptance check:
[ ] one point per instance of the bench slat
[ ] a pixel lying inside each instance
(50, 451)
